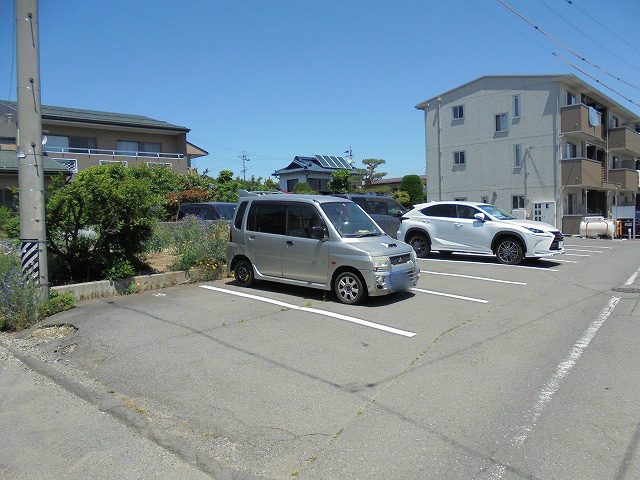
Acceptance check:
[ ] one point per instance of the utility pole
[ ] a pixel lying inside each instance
(244, 159)
(33, 232)
(350, 155)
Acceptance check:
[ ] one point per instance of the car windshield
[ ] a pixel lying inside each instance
(226, 211)
(497, 213)
(350, 220)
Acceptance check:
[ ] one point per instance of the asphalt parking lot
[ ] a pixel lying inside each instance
(483, 371)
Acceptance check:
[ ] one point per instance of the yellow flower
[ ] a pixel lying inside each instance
(138, 284)
(200, 263)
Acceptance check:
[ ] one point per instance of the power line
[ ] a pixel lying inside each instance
(596, 80)
(565, 46)
(588, 37)
(570, 2)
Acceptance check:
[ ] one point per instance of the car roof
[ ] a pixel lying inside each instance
(452, 202)
(291, 197)
(207, 203)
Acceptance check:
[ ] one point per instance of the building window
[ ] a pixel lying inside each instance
(159, 164)
(291, 184)
(516, 106)
(571, 150)
(61, 143)
(571, 98)
(459, 158)
(614, 162)
(458, 111)
(615, 122)
(70, 164)
(107, 162)
(517, 201)
(517, 156)
(135, 148)
(502, 122)
(484, 199)
(460, 199)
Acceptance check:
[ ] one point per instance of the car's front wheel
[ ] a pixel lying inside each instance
(420, 244)
(349, 288)
(243, 272)
(509, 251)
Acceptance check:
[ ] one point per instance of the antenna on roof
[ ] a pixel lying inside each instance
(350, 155)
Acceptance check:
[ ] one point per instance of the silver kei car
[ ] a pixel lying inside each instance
(477, 228)
(321, 242)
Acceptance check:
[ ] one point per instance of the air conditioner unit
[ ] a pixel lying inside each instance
(519, 213)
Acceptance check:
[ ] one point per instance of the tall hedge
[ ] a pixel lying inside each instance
(412, 184)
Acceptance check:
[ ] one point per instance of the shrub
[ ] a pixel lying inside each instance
(402, 197)
(412, 184)
(120, 269)
(304, 188)
(201, 245)
(18, 298)
(9, 223)
(340, 182)
(58, 302)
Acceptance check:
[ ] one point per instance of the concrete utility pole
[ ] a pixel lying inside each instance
(33, 233)
(244, 159)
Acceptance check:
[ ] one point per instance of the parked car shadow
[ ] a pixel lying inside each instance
(543, 264)
(315, 295)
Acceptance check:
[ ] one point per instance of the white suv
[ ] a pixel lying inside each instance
(477, 228)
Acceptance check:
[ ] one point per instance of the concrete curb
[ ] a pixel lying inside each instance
(107, 403)
(110, 288)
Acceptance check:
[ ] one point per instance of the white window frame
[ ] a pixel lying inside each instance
(517, 156)
(506, 121)
(159, 164)
(460, 157)
(516, 106)
(519, 197)
(456, 109)
(70, 164)
(571, 98)
(106, 162)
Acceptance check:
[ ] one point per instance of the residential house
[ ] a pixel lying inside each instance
(79, 139)
(393, 183)
(316, 171)
(548, 147)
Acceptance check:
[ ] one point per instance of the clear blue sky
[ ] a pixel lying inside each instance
(284, 78)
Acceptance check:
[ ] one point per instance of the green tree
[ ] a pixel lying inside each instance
(370, 175)
(402, 197)
(100, 220)
(412, 184)
(340, 182)
(304, 188)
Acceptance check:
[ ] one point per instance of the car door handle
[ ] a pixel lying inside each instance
(458, 224)
(252, 237)
(289, 243)
(425, 221)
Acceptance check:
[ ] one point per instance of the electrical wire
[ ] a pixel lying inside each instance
(595, 79)
(588, 37)
(570, 2)
(581, 57)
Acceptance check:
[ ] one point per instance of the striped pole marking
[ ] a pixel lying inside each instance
(30, 259)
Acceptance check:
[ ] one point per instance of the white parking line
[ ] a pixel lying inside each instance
(553, 384)
(576, 255)
(633, 277)
(313, 310)
(554, 259)
(586, 246)
(472, 277)
(491, 264)
(580, 250)
(431, 292)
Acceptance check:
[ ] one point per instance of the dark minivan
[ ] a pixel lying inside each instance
(385, 211)
(208, 210)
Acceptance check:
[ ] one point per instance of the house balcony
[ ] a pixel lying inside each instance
(574, 121)
(625, 141)
(628, 179)
(581, 172)
(78, 159)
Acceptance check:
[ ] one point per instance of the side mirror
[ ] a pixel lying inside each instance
(480, 216)
(317, 232)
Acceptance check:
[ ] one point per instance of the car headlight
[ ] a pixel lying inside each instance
(535, 230)
(381, 264)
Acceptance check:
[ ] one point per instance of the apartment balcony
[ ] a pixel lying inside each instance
(628, 179)
(574, 121)
(581, 172)
(624, 141)
(78, 159)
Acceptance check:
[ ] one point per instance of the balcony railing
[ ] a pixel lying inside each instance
(574, 120)
(628, 179)
(625, 141)
(114, 153)
(581, 172)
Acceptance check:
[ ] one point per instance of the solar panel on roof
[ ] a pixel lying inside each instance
(330, 161)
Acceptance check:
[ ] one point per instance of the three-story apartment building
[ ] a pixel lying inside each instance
(548, 147)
